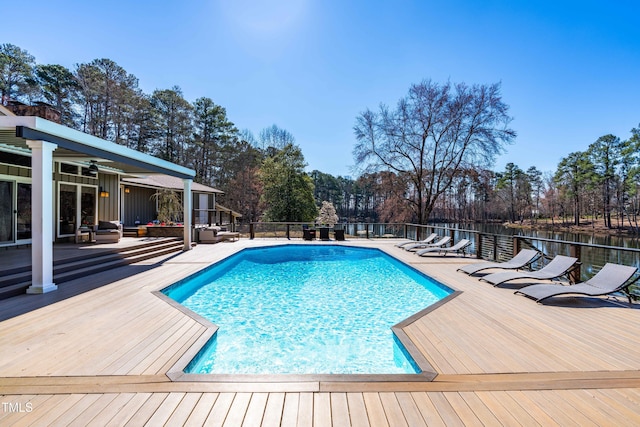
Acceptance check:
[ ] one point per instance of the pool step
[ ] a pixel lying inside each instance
(15, 281)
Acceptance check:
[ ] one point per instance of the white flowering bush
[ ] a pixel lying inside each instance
(327, 215)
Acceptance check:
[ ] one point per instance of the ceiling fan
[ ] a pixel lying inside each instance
(93, 168)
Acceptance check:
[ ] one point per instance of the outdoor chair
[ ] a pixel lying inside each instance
(308, 234)
(107, 232)
(557, 267)
(522, 259)
(417, 246)
(429, 239)
(324, 233)
(458, 247)
(612, 278)
(216, 234)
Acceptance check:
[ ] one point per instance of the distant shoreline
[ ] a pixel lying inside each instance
(587, 226)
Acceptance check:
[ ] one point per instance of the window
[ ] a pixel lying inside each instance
(77, 207)
(15, 159)
(68, 169)
(204, 208)
(23, 210)
(88, 206)
(68, 209)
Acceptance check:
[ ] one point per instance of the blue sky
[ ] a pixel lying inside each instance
(570, 70)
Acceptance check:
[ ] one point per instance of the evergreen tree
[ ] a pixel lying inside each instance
(605, 156)
(172, 115)
(575, 174)
(214, 141)
(16, 70)
(287, 190)
(59, 88)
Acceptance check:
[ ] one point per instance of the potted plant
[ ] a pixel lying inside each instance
(169, 212)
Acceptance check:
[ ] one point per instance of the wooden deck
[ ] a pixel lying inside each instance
(101, 358)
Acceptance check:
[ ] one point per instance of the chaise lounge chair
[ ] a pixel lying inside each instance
(458, 247)
(612, 278)
(522, 259)
(416, 246)
(413, 242)
(558, 266)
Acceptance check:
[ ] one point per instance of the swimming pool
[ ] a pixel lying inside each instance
(302, 309)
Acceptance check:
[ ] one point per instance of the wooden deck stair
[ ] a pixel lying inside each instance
(15, 281)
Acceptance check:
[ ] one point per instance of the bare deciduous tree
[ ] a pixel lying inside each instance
(436, 131)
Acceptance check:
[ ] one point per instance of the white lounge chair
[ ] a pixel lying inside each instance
(416, 246)
(458, 247)
(413, 242)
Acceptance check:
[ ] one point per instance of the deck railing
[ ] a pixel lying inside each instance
(489, 246)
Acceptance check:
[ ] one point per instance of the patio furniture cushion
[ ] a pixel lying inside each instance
(106, 225)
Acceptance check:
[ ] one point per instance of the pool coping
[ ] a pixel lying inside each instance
(428, 373)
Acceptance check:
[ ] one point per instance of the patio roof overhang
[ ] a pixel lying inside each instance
(73, 145)
(46, 142)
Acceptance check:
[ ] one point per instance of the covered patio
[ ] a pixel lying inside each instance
(45, 142)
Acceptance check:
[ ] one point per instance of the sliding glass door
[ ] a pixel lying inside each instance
(67, 222)
(7, 215)
(23, 211)
(15, 212)
(77, 207)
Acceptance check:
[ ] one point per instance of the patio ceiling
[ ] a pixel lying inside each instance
(76, 146)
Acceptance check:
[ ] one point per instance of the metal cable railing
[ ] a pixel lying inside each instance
(489, 246)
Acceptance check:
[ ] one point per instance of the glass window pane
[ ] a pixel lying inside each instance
(88, 206)
(70, 169)
(6, 211)
(68, 209)
(24, 211)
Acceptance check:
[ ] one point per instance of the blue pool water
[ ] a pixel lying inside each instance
(301, 309)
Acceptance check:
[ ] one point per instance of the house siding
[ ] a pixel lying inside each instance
(138, 205)
(108, 206)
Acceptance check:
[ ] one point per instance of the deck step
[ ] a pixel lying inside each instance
(17, 280)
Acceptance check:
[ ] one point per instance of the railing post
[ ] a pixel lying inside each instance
(516, 245)
(405, 231)
(575, 274)
(252, 232)
(367, 229)
(288, 237)
(478, 245)
(495, 248)
(452, 234)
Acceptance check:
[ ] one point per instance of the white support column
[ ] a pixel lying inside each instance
(188, 210)
(41, 217)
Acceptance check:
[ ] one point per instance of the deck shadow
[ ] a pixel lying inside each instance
(21, 304)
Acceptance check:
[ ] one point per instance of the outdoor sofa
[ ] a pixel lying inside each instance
(107, 232)
(215, 234)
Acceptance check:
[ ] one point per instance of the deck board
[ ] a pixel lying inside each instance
(220, 409)
(273, 410)
(357, 410)
(256, 410)
(290, 409)
(339, 410)
(100, 358)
